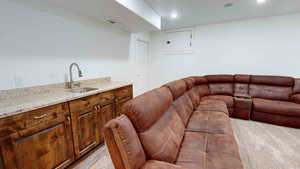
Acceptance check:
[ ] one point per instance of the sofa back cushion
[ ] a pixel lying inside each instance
(159, 126)
(190, 82)
(146, 109)
(220, 84)
(271, 87)
(124, 144)
(273, 80)
(199, 80)
(162, 140)
(177, 88)
(184, 107)
(195, 96)
(202, 90)
(241, 84)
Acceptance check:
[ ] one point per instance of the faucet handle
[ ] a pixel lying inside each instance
(80, 73)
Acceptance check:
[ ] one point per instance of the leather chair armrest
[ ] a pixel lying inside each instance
(241, 95)
(296, 98)
(153, 164)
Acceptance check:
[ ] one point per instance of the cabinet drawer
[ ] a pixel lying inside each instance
(106, 98)
(82, 104)
(56, 112)
(12, 124)
(124, 92)
(29, 119)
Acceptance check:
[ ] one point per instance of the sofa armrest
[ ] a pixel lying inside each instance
(296, 98)
(154, 164)
(241, 95)
(123, 144)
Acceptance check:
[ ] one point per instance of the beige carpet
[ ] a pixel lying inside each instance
(266, 146)
(262, 146)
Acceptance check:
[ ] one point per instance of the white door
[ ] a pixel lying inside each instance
(141, 60)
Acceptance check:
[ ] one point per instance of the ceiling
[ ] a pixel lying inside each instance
(201, 12)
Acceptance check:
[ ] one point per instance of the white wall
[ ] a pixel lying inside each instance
(37, 45)
(260, 46)
(141, 8)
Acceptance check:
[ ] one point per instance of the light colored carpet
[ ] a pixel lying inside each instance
(262, 146)
(267, 146)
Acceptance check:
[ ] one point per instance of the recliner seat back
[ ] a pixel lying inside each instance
(241, 84)
(182, 102)
(220, 84)
(271, 87)
(158, 125)
(201, 86)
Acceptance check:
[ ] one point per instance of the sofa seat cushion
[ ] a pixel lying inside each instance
(212, 105)
(227, 99)
(210, 122)
(276, 107)
(209, 151)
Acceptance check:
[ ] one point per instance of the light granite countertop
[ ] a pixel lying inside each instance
(16, 101)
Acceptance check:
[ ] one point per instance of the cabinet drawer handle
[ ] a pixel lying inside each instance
(40, 117)
(125, 91)
(124, 99)
(106, 105)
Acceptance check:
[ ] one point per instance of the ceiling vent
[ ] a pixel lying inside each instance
(111, 21)
(228, 5)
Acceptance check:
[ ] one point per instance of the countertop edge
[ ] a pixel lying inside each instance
(8, 113)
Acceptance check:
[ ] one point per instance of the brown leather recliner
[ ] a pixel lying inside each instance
(221, 88)
(275, 100)
(172, 128)
(185, 123)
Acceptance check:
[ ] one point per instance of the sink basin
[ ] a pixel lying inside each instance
(83, 90)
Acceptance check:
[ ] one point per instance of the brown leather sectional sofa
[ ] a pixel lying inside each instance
(185, 124)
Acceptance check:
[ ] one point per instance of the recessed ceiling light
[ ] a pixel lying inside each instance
(174, 15)
(261, 1)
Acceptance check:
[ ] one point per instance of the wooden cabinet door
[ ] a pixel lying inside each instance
(85, 133)
(123, 95)
(120, 103)
(50, 148)
(106, 113)
(84, 124)
(1, 159)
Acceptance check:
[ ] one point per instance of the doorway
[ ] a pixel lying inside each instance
(141, 62)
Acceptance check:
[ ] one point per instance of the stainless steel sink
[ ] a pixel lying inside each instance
(83, 90)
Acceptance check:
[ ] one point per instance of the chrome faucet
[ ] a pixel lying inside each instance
(71, 83)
